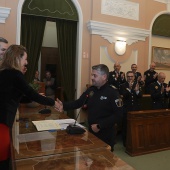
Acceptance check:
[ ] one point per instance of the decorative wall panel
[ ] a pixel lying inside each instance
(120, 8)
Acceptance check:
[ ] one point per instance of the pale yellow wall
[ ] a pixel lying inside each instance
(8, 30)
(50, 35)
(86, 44)
(105, 58)
(148, 9)
(91, 44)
(162, 42)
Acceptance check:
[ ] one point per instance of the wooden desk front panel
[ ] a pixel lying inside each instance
(94, 159)
(148, 131)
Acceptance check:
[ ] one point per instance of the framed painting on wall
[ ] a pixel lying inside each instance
(161, 56)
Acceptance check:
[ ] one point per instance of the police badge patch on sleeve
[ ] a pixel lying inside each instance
(119, 102)
(91, 93)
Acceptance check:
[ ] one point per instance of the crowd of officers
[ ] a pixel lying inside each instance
(132, 86)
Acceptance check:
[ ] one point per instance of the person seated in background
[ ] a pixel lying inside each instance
(3, 47)
(49, 85)
(160, 93)
(116, 77)
(138, 75)
(36, 76)
(150, 76)
(131, 93)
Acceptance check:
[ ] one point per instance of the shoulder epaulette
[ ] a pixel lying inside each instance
(113, 87)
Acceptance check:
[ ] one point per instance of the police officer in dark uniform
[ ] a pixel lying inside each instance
(138, 75)
(150, 76)
(116, 77)
(131, 93)
(104, 105)
(160, 93)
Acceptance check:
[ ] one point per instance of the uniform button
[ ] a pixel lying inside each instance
(132, 100)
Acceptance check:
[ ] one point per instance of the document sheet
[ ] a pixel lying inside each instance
(46, 125)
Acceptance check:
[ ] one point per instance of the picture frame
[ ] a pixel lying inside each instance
(161, 57)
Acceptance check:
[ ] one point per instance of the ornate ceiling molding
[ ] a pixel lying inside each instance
(4, 13)
(113, 32)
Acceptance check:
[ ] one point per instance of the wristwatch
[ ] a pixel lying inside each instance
(98, 126)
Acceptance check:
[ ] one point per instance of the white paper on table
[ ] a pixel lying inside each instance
(65, 122)
(46, 125)
(34, 136)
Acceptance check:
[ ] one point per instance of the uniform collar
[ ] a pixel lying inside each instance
(102, 87)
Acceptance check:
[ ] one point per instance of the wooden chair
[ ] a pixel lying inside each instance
(42, 86)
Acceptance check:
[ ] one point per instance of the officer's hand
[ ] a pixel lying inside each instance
(130, 85)
(162, 89)
(123, 75)
(94, 128)
(139, 78)
(117, 75)
(155, 75)
(137, 87)
(167, 89)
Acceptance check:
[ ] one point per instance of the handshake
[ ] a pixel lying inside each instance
(58, 105)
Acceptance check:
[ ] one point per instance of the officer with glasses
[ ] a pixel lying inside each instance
(131, 93)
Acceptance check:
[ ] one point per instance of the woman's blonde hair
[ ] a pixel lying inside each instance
(12, 57)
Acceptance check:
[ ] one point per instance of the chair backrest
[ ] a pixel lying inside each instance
(42, 87)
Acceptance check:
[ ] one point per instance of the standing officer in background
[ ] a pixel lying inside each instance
(3, 47)
(150, 76)
(138, 75)
(116, 77)
(131, 93)
(104, 105)
(160, 93)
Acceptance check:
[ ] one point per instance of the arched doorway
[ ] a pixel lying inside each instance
(78, 46)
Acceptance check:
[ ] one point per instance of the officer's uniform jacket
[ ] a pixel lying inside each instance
(104, 107)
(149, 79)
(130, 97)
(159, 100)
(116, 81)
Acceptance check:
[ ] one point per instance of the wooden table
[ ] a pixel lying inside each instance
(61, 143)
(63, 150)
(93, 159)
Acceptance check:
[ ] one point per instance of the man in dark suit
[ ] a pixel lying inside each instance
(131, 93)
(150, 76)
(160, 93)
(116, 77)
